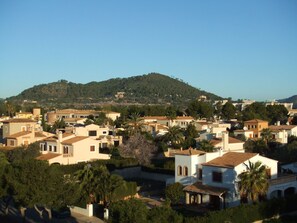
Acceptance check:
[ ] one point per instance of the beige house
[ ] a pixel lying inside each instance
(228, 144)
(248, 134)
(52, 116)
(15, 125)
(280, 133)
(70, 149)
(256, 125)
(106, 136)
(25, 138)
(180, 121)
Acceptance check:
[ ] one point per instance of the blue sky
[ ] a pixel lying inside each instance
(233, 48)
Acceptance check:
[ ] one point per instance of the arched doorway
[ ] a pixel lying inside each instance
(276, 194)
(289, 191)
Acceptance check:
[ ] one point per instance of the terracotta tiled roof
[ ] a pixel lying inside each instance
(39, 134)
(255, 120)
(66, 134)
(230, 160)
(188, 152)
(18, 134)
(281, 127)
(231, 141)
(18, 120)
(51, 138)
(184, 117)
(242, 130)
(48, 156)
(198, 187)
(74, 140)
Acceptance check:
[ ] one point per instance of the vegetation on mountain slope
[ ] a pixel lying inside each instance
(151, 88)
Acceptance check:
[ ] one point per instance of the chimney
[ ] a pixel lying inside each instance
(59, 145)
(225, 141)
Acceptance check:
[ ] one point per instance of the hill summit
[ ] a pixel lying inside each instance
(151, 88)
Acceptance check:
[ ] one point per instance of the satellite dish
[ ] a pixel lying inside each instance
(245, 128)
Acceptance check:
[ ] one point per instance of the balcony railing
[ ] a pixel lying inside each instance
(281, 179)
(67, 154)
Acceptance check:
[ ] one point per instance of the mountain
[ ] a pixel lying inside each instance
(150, 88)
(292, 99)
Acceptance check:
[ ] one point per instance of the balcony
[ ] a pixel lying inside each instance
(282, 179)
(67, 154)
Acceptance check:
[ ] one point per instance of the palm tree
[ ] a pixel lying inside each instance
(174, 136)
(134, 124)
(266, 135)
(254, 182)
(87, 182)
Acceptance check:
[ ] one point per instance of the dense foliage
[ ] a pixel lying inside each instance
(151, 88)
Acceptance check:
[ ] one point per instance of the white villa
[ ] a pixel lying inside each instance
(212, 178)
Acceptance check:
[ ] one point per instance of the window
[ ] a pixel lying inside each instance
(185, 171)
(92, 148)
(11, 143)
(104, 133)
(93, 133)
(55, 148)
(65, 149)
(217, 177)
(179, 170)
(200, 174)
(50, 148)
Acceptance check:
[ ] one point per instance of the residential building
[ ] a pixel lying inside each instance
(247, 134)
(286, 105)
(256, 125)
(212, 178)
(15, 125)
(68, 148)
(180, 121)
(25, 138)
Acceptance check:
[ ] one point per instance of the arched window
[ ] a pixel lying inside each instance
(179, 170)
(185, 171)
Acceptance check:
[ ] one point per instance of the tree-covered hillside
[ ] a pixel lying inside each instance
(150, 88)
(292, 99)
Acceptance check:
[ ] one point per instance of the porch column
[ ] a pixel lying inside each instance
(187, 198)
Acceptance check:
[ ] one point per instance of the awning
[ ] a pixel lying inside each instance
(198, 187)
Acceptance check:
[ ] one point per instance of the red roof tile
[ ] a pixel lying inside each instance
(230, 159)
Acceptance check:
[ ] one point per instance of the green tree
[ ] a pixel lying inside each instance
(174, 137)
(96, 182)
(59, 124)
(256, 146)
(190, 134)
(174, 192)
(128, 211)
(3, 164)
(171, 113)
(228, 111)
(277, 113)
(266, 135)
(253, 182)
(257, 110)
(33, 183)
(134, 124)
(199, 109)
(88, 181)
(205, 145)
(164, 214)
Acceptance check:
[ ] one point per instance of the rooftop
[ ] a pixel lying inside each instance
(230, 159)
